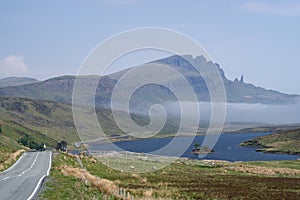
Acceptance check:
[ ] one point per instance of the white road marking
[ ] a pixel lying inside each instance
(4, 178)
(30, 166)
(23, 171)
(14, 164)
(50, 162)
(42, 178)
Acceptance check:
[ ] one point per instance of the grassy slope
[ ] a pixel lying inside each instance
(189, 180)
(9, 150)
(14, 131)
(20, 116)
(46, 120)
(281, 142)
(51, 121)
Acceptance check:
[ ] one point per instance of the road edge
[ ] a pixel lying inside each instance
(39, 184)
(13, 164)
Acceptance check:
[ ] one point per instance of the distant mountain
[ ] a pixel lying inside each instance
(16, 81)
(59, 89)
(237, 91)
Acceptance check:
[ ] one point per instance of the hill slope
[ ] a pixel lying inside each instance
(9, 151)
(281, 142)
(45, 121)
(50, 122)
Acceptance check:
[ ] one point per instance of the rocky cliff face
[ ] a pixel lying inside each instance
(236, 91)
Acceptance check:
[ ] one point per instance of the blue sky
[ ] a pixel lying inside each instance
(259, 39)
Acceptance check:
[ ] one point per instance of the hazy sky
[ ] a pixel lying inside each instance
(260, 39)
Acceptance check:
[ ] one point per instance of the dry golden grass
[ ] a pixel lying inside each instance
(148, 194)
(263, 170)
(93, 160)
(69, 154)
(138, 177)
(16, 154)
(105, 186)
(11, 158)
(252, 169)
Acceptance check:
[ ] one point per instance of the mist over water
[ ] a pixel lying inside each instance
(243, 112)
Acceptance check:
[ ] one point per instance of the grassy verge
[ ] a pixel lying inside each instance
(180, 180)
(10, 151)
(61, 185)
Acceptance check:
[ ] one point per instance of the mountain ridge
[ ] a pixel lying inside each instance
(16, 81)
(59, 89)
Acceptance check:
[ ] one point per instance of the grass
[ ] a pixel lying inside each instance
(183, 179)
(290, 164)
(47, 121)
(103, 185)
(61, 186)
(52, 121)
(10, 151)
(281, 142)
(15, 131)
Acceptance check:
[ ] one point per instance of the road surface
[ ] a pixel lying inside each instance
(23, 180)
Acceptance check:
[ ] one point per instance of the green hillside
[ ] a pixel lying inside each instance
(50, 122)
(281, 142)
(45, 121)
(9, 151)
(39, 121)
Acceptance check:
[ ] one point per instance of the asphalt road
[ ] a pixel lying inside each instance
(23, 180)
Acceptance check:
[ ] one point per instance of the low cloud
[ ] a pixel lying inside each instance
(282, 8)
(13, 66)
(242, 112)
(273, 114)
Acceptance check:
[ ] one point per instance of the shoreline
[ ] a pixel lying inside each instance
(269, 150)
(129, 138)
(119, 139)
(122, 138)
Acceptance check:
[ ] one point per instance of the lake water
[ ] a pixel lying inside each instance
(227, 148)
